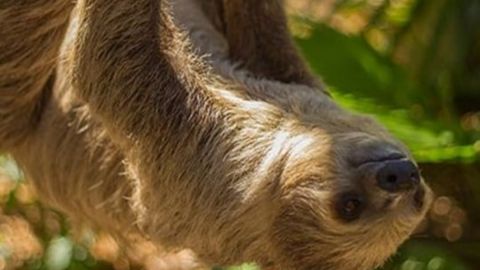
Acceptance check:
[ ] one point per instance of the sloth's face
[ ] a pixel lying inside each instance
(350, 196)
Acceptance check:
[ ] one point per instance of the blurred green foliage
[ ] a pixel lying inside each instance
(414, 65)
(363, 79)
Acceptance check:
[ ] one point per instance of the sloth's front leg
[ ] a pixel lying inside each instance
(259, 38)
(179, 127)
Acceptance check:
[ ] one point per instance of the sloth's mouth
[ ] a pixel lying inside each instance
(415, 198)
(419, 198)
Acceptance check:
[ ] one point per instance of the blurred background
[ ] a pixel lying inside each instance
(414, 64)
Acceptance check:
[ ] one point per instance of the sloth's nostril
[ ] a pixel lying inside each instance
(398, 175)
(392, 179)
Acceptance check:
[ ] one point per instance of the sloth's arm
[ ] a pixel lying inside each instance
(258, 37)
(134, 70)
(137, 75)
(31, 33)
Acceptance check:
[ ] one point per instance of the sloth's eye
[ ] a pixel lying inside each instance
(350, 207)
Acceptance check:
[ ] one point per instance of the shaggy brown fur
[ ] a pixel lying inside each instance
(236, 155)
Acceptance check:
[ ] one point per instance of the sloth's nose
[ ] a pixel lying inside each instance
(398, 175)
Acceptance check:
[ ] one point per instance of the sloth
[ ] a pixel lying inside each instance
(197, 124)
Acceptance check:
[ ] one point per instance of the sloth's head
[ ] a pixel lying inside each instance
(350, 195)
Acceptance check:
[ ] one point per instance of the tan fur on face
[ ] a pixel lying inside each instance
(203, 138)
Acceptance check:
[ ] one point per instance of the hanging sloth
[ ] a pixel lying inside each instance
(197, 124)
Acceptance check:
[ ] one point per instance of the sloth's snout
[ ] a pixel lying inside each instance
(398, 175)
(397, 178)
